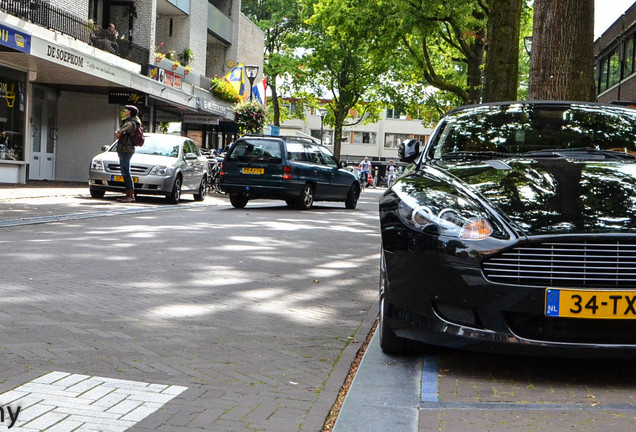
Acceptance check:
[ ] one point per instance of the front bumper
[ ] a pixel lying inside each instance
(146, 184)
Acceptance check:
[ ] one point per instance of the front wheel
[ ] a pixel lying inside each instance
(238, 201)
(175, 196)
(306, 198)
(203, 190)
(96, 193)
(390, 343)
(352, 197)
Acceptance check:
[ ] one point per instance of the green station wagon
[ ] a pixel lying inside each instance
(293, 169)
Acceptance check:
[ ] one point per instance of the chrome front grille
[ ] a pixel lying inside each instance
(604, 263)
(134, 169)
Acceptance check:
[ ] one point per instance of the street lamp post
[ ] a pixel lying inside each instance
(251, 71)
(321, 113)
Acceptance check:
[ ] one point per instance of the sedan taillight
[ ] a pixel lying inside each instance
(287, 173)
(222, 172)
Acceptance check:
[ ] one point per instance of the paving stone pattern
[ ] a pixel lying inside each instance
(60, 401)
(252, 310)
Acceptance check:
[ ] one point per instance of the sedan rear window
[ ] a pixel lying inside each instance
(251, 150)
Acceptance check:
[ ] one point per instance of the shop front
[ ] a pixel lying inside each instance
(12, 124)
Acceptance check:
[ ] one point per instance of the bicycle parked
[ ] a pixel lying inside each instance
(215, 162)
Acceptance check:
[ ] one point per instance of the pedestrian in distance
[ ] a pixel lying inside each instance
(126, 149)
(365, 171)
(391, 174)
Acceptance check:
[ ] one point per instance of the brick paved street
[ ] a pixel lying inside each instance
(258, 312)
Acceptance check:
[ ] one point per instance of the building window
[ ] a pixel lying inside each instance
(393, 140)
(629, 56)
(364, 138)
(326, 136)
(290, 106)
(609, 72)
(396, 113)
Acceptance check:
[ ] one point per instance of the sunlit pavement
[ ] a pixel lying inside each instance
(60, 289)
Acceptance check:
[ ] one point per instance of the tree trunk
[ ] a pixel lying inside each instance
(562, 58)
(501, 75)
(275, 101)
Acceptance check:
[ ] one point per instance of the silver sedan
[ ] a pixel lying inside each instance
(167, 165)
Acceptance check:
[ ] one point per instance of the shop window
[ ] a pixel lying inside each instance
(12, 97)
(364, 137)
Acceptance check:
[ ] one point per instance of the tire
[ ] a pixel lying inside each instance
(203, 190)
(96, 193)
(352, 197)
(238, 201)
(175, 196)
(390, 343)
(306, 198)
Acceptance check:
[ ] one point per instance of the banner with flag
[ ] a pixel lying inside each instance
(259, 92)
(236, 77)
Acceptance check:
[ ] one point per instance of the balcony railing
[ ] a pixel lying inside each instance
(54, 18)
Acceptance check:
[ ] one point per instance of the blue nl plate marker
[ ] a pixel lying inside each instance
(430, 373)
(552, 299)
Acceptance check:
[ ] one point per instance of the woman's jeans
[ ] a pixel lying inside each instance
(124, 166)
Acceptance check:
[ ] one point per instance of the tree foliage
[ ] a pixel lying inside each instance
(280, 21)
(346, 55)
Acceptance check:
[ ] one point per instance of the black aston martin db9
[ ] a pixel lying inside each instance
(514, 230)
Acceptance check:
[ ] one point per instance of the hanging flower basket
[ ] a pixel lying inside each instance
(222, 89)
(250, 117)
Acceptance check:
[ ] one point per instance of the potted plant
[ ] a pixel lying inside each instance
(186, 56)
(175, 65)
(159, 56)
(187, 69)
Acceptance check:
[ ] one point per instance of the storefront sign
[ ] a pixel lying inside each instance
(77, 60)
(164, 76)
(16, 39)
(200, 119)
(214, 107)
(127, 97)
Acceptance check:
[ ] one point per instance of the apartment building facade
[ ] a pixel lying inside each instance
(379, 140)
(64, 80)
(615, 60)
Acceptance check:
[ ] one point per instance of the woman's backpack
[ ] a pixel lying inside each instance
(138, 136)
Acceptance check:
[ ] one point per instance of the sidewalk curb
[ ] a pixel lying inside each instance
(317, 415)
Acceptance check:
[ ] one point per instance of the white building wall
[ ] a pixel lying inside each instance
(78, 8)
(86, 122)
(144, 27)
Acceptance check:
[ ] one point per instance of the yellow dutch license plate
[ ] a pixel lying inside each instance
(253, 170)
(571, 303)
(118, 178)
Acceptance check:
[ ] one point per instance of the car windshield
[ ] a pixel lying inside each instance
(253, 150)
(158, 145)
(536, 129)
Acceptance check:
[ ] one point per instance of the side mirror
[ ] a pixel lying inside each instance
(190, 156)
(105, 148)
(409, 150)
(342, 164)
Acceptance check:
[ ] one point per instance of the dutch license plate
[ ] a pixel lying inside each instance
(590, 304)
(121, 179)
(253, 170)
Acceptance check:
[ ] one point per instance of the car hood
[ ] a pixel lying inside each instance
(540, 197)
(139, 158)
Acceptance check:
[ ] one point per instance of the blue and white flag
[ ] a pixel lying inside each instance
(259, 91)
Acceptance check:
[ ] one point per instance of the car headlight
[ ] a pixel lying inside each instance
(97, 164)
(160, 170)
(466, 224)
